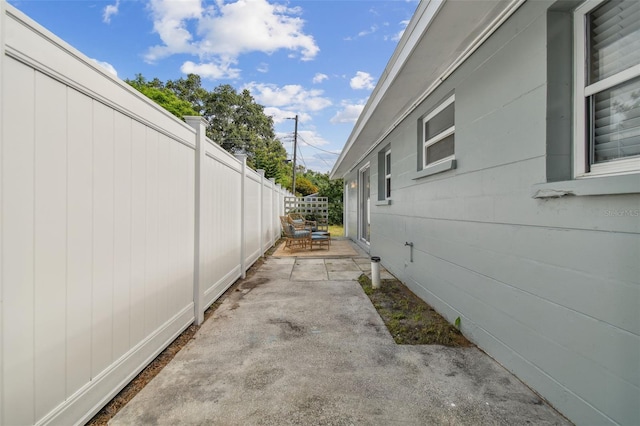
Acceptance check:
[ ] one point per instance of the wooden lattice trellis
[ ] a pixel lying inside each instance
(311, 208)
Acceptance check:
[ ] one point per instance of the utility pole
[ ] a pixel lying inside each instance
(295, 150)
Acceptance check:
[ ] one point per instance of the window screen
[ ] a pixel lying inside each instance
(439, 133)
(440, 150)
(613, 111)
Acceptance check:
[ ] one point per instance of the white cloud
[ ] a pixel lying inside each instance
(319, 161)
(210, 70)
(362, 80)
(228, 30)
(109, 11)
(279, 115)
(322, 162)
(292, 97)
(312, 158)
(368, 31)
(170, 19)
(107, 66)
(319, 78)
(311, 137)
(348, 114)
(246, 26)
(263, 67)
(397, 36)
(313, 151)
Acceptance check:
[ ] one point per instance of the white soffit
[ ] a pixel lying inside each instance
(440, 36)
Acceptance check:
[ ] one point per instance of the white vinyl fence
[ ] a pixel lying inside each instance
(119, 226)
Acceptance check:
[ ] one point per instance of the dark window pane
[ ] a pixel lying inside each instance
(388, 187)
(615, 122)
(439, 150)
(388, 164)
(442, 121)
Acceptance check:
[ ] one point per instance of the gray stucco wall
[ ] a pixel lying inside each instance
(549, 287)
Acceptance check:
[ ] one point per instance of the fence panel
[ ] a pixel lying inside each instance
(275, 217)
(102, 193)
(221, 224)
(267, 214)
(97, 188)
(253, 222)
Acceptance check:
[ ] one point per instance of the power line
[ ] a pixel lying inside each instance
(315, 147)
(301, 157)
(295, 140)
(319, 157)
(323, 160)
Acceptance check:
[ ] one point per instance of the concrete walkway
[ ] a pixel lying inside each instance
(300, 343)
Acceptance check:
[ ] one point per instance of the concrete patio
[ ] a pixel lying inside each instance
(299, 342)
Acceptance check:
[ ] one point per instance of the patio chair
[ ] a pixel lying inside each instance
(322, 225)
(294, 238)
(299, 222)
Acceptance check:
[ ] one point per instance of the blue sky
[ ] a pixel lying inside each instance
(316, 58)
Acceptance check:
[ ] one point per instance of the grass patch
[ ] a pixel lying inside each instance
(409, 319)
(336, 230)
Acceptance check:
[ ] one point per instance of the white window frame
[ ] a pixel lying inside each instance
(387, 175)
(582, 92)
(362, 202)
(437, 138)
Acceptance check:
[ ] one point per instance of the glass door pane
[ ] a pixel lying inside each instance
(365, 205)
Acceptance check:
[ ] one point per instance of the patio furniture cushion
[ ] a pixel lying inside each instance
(320, 238)
(295, 238)
(300, 222)
(300, 233)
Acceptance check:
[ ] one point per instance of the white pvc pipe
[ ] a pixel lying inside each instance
(375, 272)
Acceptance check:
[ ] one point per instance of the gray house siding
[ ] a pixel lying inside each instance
(550, 287)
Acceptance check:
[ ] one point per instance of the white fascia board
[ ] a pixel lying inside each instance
(405, 48)
(422, 18)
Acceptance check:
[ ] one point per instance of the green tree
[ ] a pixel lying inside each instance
(333, 190)
(157, 92)
(236, 121)
(304, 186)
(270, 157)
(190, 89)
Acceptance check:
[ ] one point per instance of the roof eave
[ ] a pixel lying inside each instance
(407, 43)
(424, 18)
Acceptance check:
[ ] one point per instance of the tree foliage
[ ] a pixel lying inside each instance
(304, 186)
(163, 96)
(236, 121)
(333, 190)
(190, 89)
